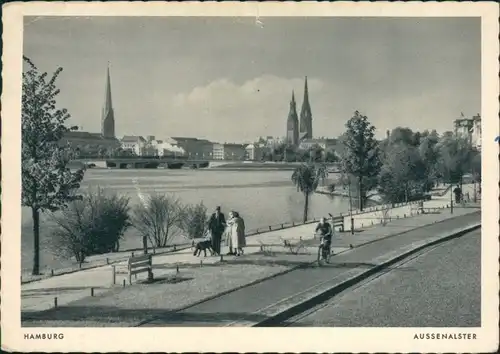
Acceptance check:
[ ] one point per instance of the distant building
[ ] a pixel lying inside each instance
(134, 144)
(296, 130)
(469, 128)
(108, 115)
(306, 131)
(194, 148)
(292, 124)
(89, 144)
(254, 152)
(476, 131)
(325, 144)
(229, 151)
(164, 148)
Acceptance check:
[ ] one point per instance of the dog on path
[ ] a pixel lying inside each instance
(203, 245)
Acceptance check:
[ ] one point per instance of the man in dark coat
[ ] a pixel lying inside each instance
(216, 225)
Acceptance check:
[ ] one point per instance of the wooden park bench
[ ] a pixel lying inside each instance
(337, 221)
(140, 264)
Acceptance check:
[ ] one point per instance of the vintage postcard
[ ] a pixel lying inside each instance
(250, 176)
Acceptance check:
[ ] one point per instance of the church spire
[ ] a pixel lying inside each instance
(108, 103)
(292, 124)
(306, 115)
(108, 119)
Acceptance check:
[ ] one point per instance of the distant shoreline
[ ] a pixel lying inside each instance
(230, 166)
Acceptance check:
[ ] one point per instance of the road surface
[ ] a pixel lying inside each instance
(440, 287)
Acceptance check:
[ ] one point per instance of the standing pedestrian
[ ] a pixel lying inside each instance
(230, 231)
(240, 233)
(216, 225)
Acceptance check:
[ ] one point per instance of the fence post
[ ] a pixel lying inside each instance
(113, 273)
(352, 226)
(55, 302)
(123, 282)
(91, 291)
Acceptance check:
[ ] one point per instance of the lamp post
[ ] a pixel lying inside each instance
(451, 198)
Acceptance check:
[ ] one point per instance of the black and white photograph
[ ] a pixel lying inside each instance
(187, 167)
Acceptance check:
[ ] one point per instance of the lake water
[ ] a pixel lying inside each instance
(262, 197)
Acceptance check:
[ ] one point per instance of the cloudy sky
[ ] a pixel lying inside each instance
(230, 79)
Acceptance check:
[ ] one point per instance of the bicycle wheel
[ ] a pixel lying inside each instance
(328, 256)
(320, 254)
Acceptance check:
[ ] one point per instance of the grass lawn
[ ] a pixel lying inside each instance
(125, 307)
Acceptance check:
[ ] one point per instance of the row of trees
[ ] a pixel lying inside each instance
(289, 153)
(96, 223)
(402, 167)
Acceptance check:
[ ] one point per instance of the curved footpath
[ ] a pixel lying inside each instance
(142, 303)
(440, 287)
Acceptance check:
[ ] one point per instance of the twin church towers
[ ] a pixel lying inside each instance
(295, 131)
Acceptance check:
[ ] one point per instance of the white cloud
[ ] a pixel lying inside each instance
(225, 110)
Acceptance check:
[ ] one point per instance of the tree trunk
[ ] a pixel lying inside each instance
(360, 193)
(145, 244)
(36, 241)
(306, 207)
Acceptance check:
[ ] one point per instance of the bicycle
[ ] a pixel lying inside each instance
(324, 253)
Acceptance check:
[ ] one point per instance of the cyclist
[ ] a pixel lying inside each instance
(325, 231)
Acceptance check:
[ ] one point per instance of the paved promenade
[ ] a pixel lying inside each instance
(39, 296)
(252, 305)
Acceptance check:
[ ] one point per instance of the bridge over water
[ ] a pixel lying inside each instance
(142, 162)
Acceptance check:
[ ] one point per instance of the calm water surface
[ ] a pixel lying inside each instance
(262, 197)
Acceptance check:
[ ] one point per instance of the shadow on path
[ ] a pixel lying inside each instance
(78, 315)
(55, 291)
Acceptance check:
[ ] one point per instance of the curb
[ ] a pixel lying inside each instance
(303, 265)
(329, 293)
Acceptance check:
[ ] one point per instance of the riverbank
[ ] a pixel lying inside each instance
(250, 165)
(374, 199)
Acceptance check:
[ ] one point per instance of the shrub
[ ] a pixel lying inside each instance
(93, 225)
(194, 220)
(158, 218)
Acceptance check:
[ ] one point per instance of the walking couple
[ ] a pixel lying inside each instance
(233, 228)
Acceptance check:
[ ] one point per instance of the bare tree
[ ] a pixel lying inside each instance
(158, 218)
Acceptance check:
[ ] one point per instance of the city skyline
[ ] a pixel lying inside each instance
(225, 88)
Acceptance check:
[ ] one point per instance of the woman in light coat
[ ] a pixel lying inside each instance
(239, 231)
(229, 233)
(235, 234)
